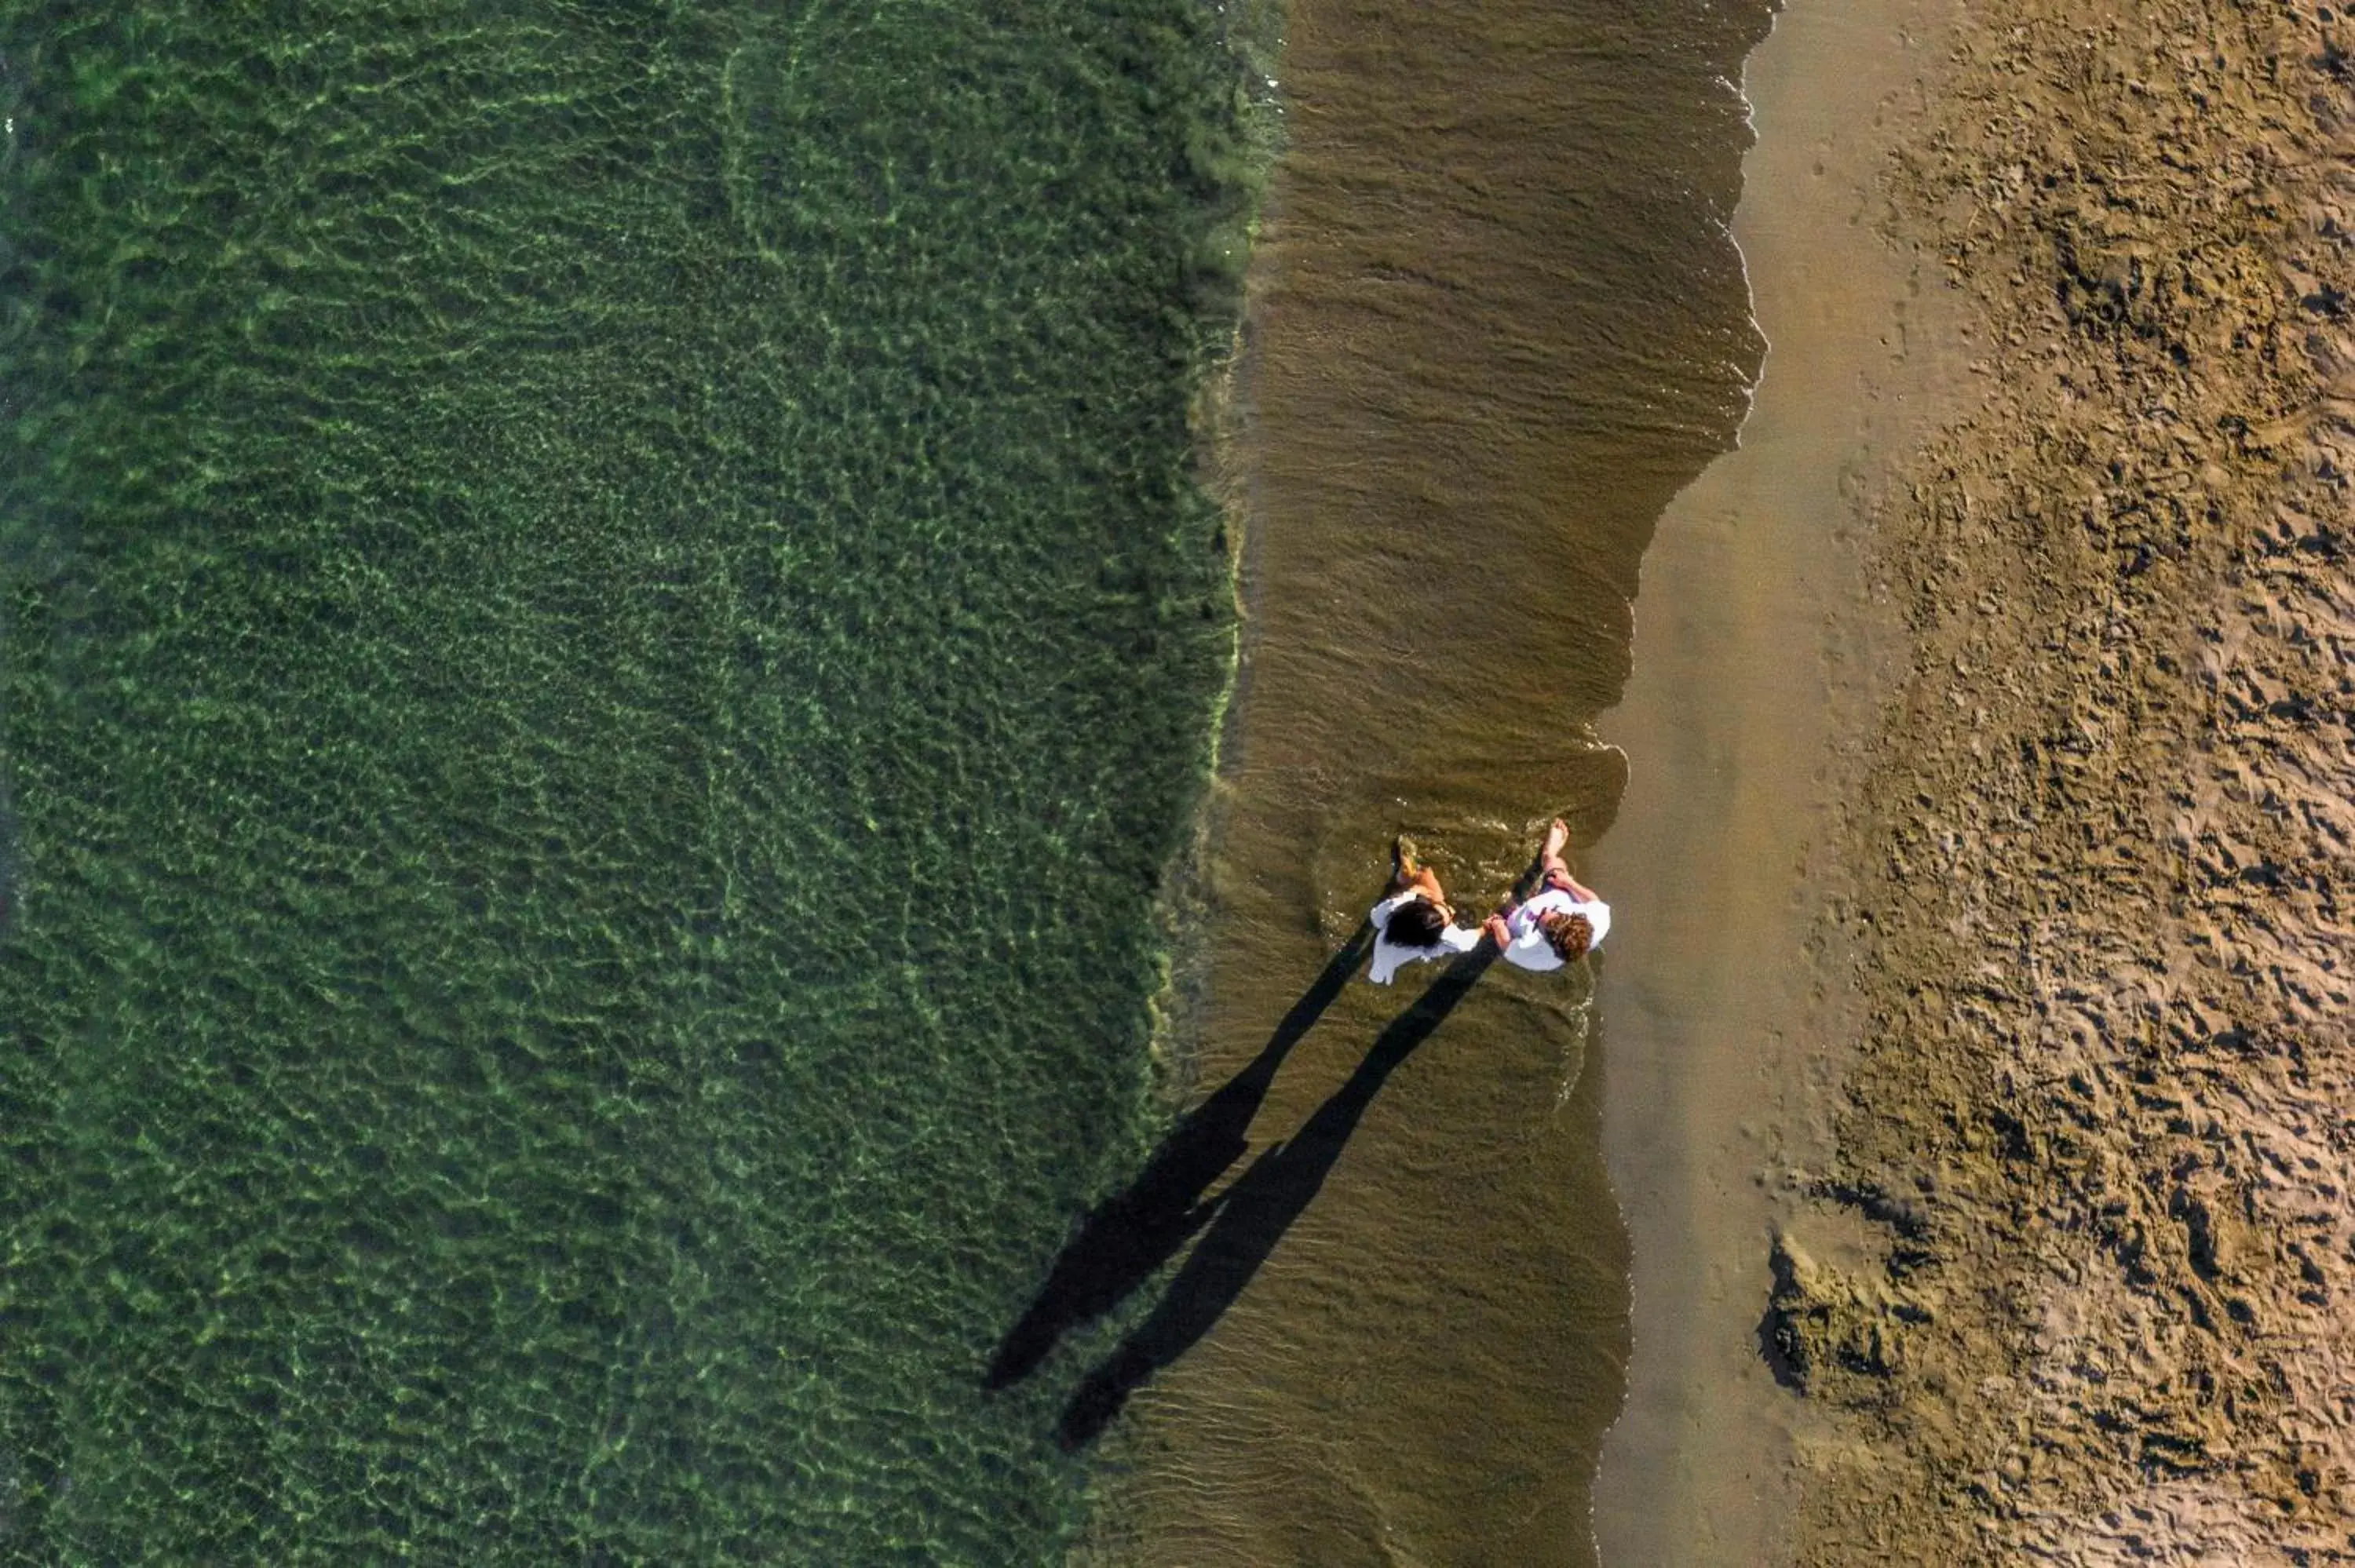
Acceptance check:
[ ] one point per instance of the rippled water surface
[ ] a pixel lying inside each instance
(1499, 323)
(606, 631)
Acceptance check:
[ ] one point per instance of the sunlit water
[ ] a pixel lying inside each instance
(607, 629)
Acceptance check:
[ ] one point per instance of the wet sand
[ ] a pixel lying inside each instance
(2009, 1223)
(1760, 657)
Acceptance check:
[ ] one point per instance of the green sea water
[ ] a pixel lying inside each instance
(605, 632)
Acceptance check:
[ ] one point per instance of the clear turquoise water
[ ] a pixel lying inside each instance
(606, 631)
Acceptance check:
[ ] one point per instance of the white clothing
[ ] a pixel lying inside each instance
(1529, 948)
(1389, 955)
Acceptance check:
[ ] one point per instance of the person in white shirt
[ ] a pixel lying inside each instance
(1414, 923)
(1564, 920)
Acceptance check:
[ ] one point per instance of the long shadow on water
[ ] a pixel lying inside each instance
(1124, 1240)
(1251, 1216)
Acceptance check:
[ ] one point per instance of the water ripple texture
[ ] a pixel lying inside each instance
(605, 629)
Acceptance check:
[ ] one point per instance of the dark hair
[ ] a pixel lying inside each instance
(1569, 937)
(1417, 922)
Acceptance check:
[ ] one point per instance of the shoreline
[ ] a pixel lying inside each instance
(1999, 1124)
(1971, 1068)
(1760, 657)
(1466, 402)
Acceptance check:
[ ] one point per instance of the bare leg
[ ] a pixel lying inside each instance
(1408, 875)
(1554, 870)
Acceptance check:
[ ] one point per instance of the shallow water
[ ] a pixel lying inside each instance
(607, 631)
(1497, 323)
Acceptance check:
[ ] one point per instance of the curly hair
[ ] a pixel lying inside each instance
(1570, 935)
(1415, 923)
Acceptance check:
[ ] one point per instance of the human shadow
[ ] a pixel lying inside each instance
(1127, 1238)
(1251, 1216)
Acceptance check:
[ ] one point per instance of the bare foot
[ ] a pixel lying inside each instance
(1556, 836)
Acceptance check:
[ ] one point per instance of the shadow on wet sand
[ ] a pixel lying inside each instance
(1247, 1222)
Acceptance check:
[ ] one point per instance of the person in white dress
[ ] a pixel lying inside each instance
(1414, 923)
(1562, 923)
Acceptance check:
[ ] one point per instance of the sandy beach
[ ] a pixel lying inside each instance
(1972, 777)
(1987, 1160)
(1761, 656)
(1496, 324)
(2099, 1118)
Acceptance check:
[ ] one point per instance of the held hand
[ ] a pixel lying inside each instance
(1497, 931)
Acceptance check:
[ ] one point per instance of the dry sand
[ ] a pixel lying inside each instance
(2069, 1283)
